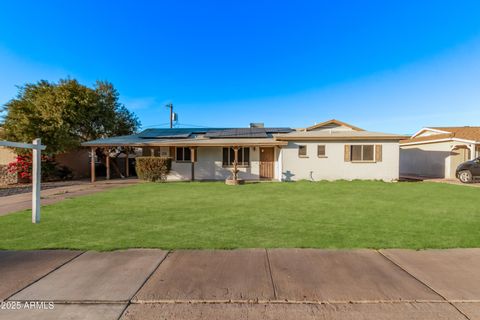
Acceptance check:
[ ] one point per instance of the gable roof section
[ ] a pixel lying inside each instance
(338, 136)
(468, 134)
(333, 121)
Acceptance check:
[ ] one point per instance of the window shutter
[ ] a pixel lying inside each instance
(347, 156)
(378, 153)
(172, 152)
(194, 158)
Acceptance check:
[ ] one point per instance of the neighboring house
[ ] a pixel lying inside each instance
(437, 151)
(6, 156)
(327, 151)
(77, 161)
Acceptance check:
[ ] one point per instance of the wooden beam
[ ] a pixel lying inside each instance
(107, 163)
(127, 169)
(36, 180)
(192, 156)
(92, 165)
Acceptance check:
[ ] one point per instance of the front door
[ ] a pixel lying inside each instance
(266, 163)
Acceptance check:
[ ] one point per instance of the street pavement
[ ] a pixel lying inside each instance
(241, 284)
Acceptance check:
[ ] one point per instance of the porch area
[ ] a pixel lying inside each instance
(193, 162)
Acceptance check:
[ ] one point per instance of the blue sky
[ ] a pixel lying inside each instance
(382, 65)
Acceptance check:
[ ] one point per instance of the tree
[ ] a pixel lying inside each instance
(66, 113)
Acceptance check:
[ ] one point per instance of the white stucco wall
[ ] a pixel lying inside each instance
(209, 166)
(333, 166)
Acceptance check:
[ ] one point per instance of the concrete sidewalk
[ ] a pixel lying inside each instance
(23, 201)
(241, 284)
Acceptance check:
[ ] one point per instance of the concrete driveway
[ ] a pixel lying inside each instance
(23, 201)
(241, 284)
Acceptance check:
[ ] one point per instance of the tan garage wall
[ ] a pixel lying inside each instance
(431, 159)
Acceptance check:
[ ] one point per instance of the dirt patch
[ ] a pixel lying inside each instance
(10, 190)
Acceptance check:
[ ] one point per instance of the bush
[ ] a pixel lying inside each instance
(153, 168)
(51, 170)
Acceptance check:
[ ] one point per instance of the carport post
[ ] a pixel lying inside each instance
(36, 180)
(472, 151)
(92, 165)
(107, 164)
(192, 157)
(127, 169)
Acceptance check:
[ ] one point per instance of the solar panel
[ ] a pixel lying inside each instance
(278, 130)
(238, 133)
(183, 133)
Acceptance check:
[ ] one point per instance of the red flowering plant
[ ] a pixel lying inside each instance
(22, 166)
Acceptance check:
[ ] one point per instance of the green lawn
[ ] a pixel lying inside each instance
(358, 214)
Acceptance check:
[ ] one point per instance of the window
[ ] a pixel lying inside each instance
(302, 151)
(321, 151)
(229, 156)
(362, 152)
(183, 154)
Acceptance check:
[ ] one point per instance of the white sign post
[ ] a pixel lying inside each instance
(37, 148)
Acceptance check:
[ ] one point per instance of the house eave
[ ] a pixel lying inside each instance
(190, 143)
(438, 140)
(346, 138)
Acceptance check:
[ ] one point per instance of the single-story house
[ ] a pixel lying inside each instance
(329, 150)
(437, 151)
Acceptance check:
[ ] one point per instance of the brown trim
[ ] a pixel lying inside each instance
(378, 153)
(300, 138)
(347, 153)
(192, 144)
(333, 121)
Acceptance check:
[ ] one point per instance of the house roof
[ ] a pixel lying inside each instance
(211, 132)
(246, 132)
(338, 135)
(194, 137)
(136, 141)
(442, 133)
(240, 136)
(335, 122)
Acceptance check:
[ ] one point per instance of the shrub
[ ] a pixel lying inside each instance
(51, 171)
(153, 168)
